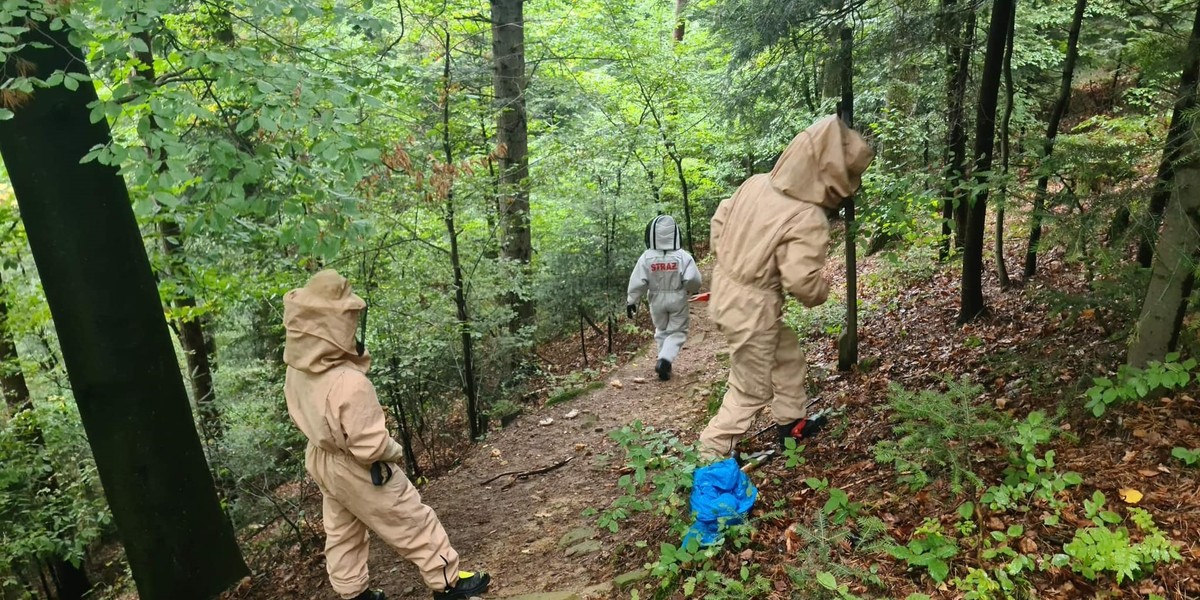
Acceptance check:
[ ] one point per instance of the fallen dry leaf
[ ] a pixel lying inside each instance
(1129, 455)
(639, 380)
(1028, 546)
(495, 453)
(580, 447)
(1148, 473)
(571, 415)
(1130, 495)
(747, 554)
(546, 421)
(616, 383)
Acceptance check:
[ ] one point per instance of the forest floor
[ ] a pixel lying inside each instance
(1037, 349)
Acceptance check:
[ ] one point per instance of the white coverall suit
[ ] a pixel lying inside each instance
(771, 238)
(333, 403)
(667, 274)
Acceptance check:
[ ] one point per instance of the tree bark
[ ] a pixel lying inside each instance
(190, 328)
(848, 340)
(114, 339)
(680, 24)
(985, 137)
(1184, 102)
(960, 39)
(1056, 116)
(508, 53)
(1005, 152)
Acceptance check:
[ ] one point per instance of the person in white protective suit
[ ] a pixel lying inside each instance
(667, 274)
(350, 453)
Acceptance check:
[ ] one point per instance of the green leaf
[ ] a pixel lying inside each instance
(827, 580)
(966, 510)
(938, 570)
(5, 114)
(71, 83)
(370, 154)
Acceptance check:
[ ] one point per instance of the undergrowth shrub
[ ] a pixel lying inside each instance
(936, 433)
(1133, 384)
(1098, 550)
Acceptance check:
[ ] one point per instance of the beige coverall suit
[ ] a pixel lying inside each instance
(333, 403)
(771, 238)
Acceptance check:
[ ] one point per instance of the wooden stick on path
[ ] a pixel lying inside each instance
(526, 474)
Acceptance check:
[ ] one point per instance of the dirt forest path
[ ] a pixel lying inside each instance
(514, 529)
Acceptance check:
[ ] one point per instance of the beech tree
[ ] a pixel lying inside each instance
(114, 338)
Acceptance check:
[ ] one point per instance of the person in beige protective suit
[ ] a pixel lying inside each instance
(770, 238)
(350, 452)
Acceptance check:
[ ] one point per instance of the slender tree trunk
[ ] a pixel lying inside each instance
(985, 138)
(1184, 103)
(680, 6)
(683, 189)
(960, 39)
(508, 52)
(475, 417)
(190, 328)
(1005, 151)
(848, 340)
(1056, 116)
(115, 342)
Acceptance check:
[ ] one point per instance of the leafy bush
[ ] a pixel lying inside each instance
(929, 549)
(51, 502)
(1134, 384)
(936, 431)
(1096, 550)
(1029, 474)
(661, 476)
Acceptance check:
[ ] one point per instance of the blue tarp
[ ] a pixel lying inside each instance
(721, 494)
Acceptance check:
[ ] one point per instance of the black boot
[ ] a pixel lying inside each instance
(468, 584)
(663, 368)
(371, 595)
(800, 428)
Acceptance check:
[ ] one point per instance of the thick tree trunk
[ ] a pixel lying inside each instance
(985, 138)
(848, 340)
(115, 342)
(1184, 103)
(1056, 116)
(508, 52)
(1005, 152)
(960, 39)
(1174, 267)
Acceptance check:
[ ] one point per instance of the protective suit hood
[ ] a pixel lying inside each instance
(320, 319)
(662, 234)
(823, 164)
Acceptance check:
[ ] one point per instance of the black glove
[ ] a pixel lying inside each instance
(630, 310)
(381, 473)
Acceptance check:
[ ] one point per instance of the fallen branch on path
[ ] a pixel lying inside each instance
(516, 475)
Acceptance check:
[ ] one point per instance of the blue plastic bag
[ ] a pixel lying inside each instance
(721, 494)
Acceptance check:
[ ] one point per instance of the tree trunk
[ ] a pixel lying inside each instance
(848, 340)
(1171, 279)
(1184, 103)
(475, 417)
(985, 138)
(1005, 152)
(508, 52)
(960, 42)
(1056, 115)
(1173, 274)
(680, 6)
(190, 328)
(114, 339)
(683, 189)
